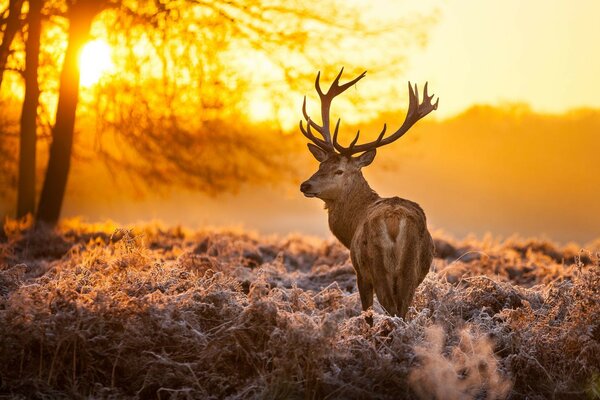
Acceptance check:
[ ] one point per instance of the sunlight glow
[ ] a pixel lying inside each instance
(95, 61)
(260, 110)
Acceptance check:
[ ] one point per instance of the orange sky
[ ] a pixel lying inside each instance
(542, 52)
(539, 52)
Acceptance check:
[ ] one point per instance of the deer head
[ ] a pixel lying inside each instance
(339, 168)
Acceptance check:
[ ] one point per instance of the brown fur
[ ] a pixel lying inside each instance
(390, 246)
(392, 225)
(393, 252)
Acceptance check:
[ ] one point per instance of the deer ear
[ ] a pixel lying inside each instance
(319, 153)
(365, 158)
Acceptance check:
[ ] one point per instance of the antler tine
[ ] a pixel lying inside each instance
(335, 135)
(336, 89)
(339, 147)
(322, 143)
(326, 98)
(307, 118)
(318, 86)
(413, 100)
(353, 81)
(382, 134)
(332, 86)
(416, 94)
(429, 98)
(354, 141)
(337, 78)
(308, 134)
(416, 111)
(350, 149)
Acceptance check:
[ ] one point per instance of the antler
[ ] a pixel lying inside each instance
(326, 98)
(415, 112)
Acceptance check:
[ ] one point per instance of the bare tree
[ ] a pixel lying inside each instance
(80, 14)
(163, 135)
(11, 25)
(28, 136)
(166, 127)
(9, 133)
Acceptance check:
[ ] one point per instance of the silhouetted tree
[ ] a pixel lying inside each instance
(9, 132)
(28, 136)
(11, 24)
(176, 125)
(181, 126)
(80, 15)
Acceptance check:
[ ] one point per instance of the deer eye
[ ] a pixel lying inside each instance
(339, 172)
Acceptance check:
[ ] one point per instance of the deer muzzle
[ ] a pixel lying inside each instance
(306, 188)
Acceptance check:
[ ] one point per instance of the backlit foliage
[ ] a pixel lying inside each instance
(187, 77)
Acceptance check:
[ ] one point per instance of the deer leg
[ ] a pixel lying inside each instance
(403, 295)
(381, 260)
(365, 289)
(405, 282)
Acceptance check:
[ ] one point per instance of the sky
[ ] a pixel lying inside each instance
(539, 52)
(542, 52)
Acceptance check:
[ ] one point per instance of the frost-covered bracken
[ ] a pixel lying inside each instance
(147, 312)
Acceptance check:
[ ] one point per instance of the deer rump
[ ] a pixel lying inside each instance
(391, 252)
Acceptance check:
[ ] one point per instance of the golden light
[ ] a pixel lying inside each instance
(95, 61)
(260, 110)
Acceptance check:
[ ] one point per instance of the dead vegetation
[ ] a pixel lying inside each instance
(98, 311)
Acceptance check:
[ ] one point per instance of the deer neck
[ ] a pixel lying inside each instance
(350, 209)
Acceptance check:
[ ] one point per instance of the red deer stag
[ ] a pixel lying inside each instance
(390, 246)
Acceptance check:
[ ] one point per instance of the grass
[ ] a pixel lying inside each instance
(105, 312)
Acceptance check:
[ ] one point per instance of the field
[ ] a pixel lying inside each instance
(106, 312)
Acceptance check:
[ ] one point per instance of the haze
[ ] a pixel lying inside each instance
(512, 148)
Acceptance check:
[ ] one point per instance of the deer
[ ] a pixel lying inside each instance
(391, 249)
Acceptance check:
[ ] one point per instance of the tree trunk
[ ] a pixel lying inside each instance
(11, 29)
(81, 15)
(27, 147)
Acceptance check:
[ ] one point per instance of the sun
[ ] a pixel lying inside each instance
(260, 110)
(95, 60)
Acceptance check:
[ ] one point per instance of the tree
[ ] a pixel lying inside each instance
(172, 131)
(28, 136)
(80, 15)
(172, 114)
(11, 26)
